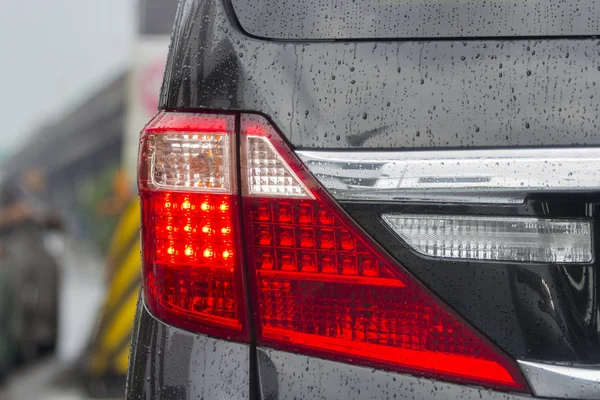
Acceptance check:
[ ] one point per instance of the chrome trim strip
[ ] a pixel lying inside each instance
(559, 381)
(472, 176)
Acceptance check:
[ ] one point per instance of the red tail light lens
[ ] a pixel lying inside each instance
(322, 287)
(319, 285)
(191, 253)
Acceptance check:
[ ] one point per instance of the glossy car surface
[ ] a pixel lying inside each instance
(437, 92)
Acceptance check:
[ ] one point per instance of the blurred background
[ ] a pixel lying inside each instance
(79, 80)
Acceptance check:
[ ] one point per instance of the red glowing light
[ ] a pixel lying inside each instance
(334, 293)
(192, 276)
(319, 285)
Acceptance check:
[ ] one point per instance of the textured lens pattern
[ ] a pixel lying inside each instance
(495, 238)
(359, 313)
(305, 238)
(188, 161)
(320, 285)
(268, 175)
(191, 256)
(204, 293)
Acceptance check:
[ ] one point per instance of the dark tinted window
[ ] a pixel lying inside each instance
(361, 19)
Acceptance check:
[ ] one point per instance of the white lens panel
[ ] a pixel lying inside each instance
(190, 161)
(495, 238)
(268, 174)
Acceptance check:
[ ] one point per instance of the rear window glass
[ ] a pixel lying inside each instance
(377, 19)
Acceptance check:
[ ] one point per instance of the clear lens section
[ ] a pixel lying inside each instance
(267, 174)
(495, 238)
(189, 161)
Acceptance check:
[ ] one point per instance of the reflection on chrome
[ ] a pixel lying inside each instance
(475, 176)
(562, 381)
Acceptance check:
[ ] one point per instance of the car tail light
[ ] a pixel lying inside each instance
(319, 285)
(191, 253)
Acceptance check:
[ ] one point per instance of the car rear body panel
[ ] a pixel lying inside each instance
(403, 95)
(291, 376)
(172, 364)
(407, 95)
(415, 19)
(388, 94)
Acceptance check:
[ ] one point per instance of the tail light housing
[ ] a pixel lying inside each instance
(192, 258)
(317, 283)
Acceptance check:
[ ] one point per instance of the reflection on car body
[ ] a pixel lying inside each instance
(440, 256)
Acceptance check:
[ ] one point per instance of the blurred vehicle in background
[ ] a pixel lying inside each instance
(57, 216)
(69, 221)
(30, 274)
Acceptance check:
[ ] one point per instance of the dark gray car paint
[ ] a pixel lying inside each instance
(291, 376)
(403, 94)
(168, 363)
(293, 19)
(417, 94)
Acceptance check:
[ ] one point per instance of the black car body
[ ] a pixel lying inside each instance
(466, 117)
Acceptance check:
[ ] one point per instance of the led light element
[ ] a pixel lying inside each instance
(190, 230)
(495, 238)
(320, 286)
(268, 174)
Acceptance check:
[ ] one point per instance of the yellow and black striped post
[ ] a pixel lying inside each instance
(110, 348)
